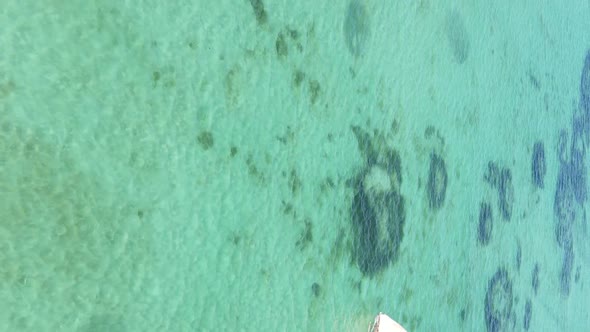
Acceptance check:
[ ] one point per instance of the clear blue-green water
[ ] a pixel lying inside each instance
(294, 166)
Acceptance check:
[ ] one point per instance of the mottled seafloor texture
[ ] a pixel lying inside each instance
(267, 165)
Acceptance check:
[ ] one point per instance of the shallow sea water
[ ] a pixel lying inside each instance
(191, 166)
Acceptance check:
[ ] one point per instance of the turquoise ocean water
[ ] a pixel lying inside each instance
(260, 165)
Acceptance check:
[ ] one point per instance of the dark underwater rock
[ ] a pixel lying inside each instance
(562, 148)
(501, 180)
(577, 167)
(436, 187)
(506, 194)
(535, 278)
(580, 125)
(538, 165)
(316, 290)
(564, 206)
(356, 27)
(528, 312)
(365, 144)
(378, 217)
(565, 276)
(484, 229)
(498, 302)
(492, 175)
(259, 12)
(378, 208)
(457, 36)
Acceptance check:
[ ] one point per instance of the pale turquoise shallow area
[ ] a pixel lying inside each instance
(190, 166)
